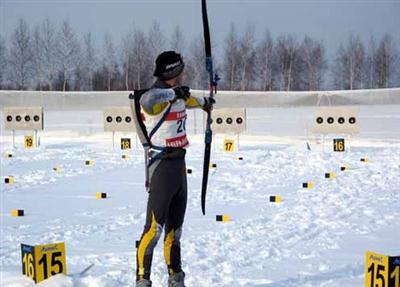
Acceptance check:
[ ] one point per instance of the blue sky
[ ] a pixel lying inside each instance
(329, 21)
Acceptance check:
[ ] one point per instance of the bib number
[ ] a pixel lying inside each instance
(181, 126)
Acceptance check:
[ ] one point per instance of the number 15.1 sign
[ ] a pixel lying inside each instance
(381, 270)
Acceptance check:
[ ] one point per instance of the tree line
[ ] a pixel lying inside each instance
(51, 57)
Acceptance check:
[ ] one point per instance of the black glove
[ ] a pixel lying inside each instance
(208, 104)
(182, 92)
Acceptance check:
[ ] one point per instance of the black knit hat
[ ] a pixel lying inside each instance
(169, 65)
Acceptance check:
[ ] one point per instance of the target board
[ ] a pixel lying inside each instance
(226, 121)
(336, 120)
(118, 119)
(23, 118)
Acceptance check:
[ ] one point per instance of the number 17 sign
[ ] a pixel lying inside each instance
(43, 261)
(229, 145)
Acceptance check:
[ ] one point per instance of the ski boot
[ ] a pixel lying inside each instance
(176, 280)
(143, 283)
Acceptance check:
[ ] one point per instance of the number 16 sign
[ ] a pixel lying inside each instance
(43, 261)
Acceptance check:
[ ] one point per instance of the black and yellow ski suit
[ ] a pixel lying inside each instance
(167, 199)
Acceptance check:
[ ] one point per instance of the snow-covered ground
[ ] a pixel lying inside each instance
(315, 237)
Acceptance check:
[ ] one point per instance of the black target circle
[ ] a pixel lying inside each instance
(341, 120)
(118, 119)
(18, 118)
(229, 121)
(36, 118)
(219, 121)
(352, 120)
(27, 118)
(128, 119)
(109, 119)
(330, 120)
(320, 120)
(9, 118)
(239, 121)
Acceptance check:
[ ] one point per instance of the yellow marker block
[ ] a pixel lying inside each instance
(240, 158)
(308, 185)
(364, 159)
(330, 175)
(344, 168)
(57, 169)
(17, 212)
(213, 165)
(275, 198)
(101, 195)
(8, 155)
(125, 156)
(9, 180)
(89, 162)
(223, 218)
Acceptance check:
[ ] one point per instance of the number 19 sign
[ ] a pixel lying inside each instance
(43, 261)
(381, 270)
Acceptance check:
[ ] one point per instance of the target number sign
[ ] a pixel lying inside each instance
(338, 145)
(229, 145)
(125, 143)
(28, 142)
(43, 261)
(381, 270)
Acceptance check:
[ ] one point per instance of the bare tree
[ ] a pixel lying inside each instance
(369, 65)
(142, 73)
(197, 76)
(247, 59)
(265, 61)
(349, 63)
(286, 52)
(178, 42)
(386, 62)
(127, 60)
(38, 59)
(89, 62)
(231, 59)
(110, 61)
(3, 62)
(338, 69)
(49, 52)
(156, 40)
(312, 54)
(68, 53)
(21, 56)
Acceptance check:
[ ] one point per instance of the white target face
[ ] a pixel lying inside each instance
(118, 119)
(226, 121)
(23, 118)
(336, 120)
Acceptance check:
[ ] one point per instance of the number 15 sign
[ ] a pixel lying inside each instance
(381, 270)
(43, 261)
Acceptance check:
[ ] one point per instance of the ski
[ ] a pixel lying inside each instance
(212, 86)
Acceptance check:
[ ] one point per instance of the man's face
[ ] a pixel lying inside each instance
(181, 79)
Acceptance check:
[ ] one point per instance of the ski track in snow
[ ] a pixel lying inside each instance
(315, 237)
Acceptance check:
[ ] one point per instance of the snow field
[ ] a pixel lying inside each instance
(315, 237)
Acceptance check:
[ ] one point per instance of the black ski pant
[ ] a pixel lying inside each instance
(166, 208)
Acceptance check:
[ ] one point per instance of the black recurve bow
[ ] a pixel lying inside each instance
(212, 87)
